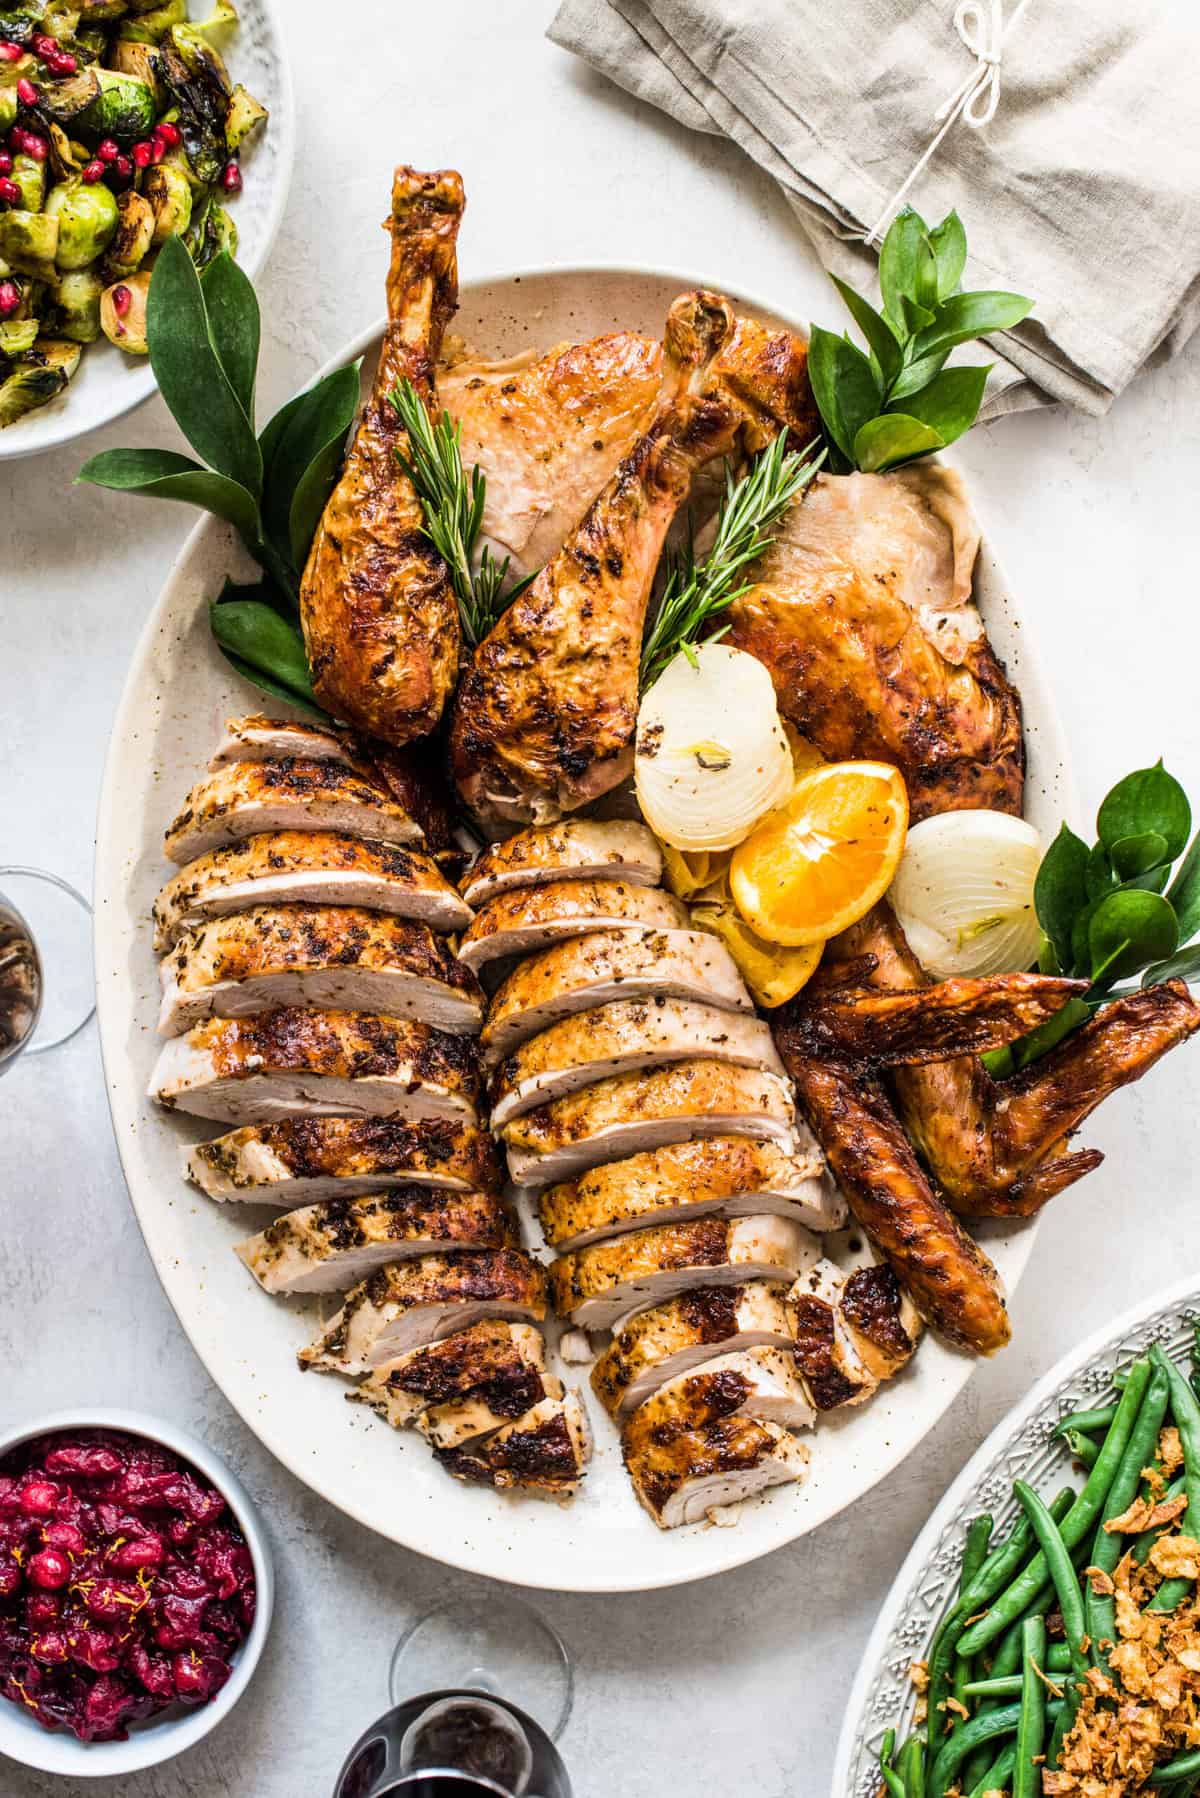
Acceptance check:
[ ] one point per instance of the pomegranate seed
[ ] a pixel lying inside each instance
(5, 163)
(231, 178)
(92, 172)
(143, 153)
(63, 63)
(49, 1569)
(35, 146)
(27, 94)
(9, 191)
(40, 1499)
(44, 46)
(169, 133)
(10, 299)
(10, 52)
(108, 149)
(123, 167)
(121, 299)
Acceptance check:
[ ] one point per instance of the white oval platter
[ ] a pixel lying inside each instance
(109, 383)
(1021, 1447)
(178, 692)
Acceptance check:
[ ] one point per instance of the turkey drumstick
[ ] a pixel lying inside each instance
(380, 618)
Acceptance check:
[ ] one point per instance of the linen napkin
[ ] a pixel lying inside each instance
(1083, 192)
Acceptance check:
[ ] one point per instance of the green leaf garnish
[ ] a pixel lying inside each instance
(900, 402)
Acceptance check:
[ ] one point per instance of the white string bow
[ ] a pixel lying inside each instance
(984, 30)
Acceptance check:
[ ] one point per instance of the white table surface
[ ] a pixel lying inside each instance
(738, 1684)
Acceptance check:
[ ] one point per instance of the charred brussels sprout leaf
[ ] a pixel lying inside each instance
(169, 193)
(210, 233)
(195, 78)
(245, 115)
(17, 335)
(134, 235)
(150, 26)
(38, 378)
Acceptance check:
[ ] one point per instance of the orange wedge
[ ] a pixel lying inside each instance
(821, 861)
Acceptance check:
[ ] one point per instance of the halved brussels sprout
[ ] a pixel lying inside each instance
(131, 58)
(124, 108)
(30, 177)
(245, 113)
(28, 243)
(17, 335)
(8, 108)
(42, 373)
(134, 235)
(25, 68)
(67, 102)
(169, 192)
(91, 11)
(150, 27)
(77, 306)
(201, 58)
(87, 221)
(123, 313)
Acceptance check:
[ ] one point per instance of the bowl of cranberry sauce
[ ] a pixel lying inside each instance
(135, 1592)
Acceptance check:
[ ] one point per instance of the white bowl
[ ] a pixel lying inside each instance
(159, 1738)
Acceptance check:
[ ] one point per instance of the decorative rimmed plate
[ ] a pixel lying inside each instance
(1021, 1447)
(108, 383)
(177, 694)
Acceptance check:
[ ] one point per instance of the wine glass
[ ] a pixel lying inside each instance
(47, 989)
(480, 1691)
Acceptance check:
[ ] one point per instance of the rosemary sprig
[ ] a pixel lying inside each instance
(453, 506)
(696, 593)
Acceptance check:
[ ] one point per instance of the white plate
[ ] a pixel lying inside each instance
(1021, 1447)
(177, 695)
(108, 383)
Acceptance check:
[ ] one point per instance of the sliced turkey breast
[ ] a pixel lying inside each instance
(332, 1246)
(634, 1112)
(545, 1453)
(503, 1362)
(596, 1287)
(590, 971)
(682, 1334)
(681, 1475)
(620, 1039)
(758, 1382)
(309, 867)
(733, 1176)
(465, 1419)
(304, 1159)
(852, 1331)
(336, 956)
(576, 849)
(243, 799)
(411, 1303)
(516, 923)
(260, 739)
(324, 1063)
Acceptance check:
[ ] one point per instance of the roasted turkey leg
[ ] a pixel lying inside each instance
(545, 716)
(380, 619)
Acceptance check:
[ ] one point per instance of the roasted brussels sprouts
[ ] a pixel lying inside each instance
(152, 26)
(17, 335)
(123, 313)
(29, 242)
(8, 108)
(41, 373)
(124, 108)
(219, 21)
(131, 58)
(169, 192)
(211, 231)
(245, 113)
(91, 12)
(134, 235)
(77, 305)
(87, 221)
(18, 23)
(195, 77)
(30, 177)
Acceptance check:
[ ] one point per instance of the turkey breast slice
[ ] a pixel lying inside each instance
(733, 1176)
(243, 799)
(410, 1303)
(576, 849)
(257, 738)
(543, 1453)
(852, 1331)
(332, 1246)
(680, 1476)
(760, 1382)
(682, 1334)
(506, 1362)
(310, 867)
(620, 1039)
(321, 1063)
(301, 1160)
(515, 923)
(465, 1419)
(335, 956)
(590, 971)
(595, 1288)
(633, 1112)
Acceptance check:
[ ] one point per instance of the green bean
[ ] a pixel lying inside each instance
(1100, 1610)
(891, 1779)
(1070, 1602)
(1086, 1421)
(1184, 1766)
(1082, 1448)
(912, 1767)
(1075, 1525)
(958, 1746)
(1031, 1730)
(941, 1650)
(1170, 1595)
(1185, 1408)
(998, 1773)
(1008, 1685)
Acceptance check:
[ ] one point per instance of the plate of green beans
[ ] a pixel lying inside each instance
(998, 1638)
